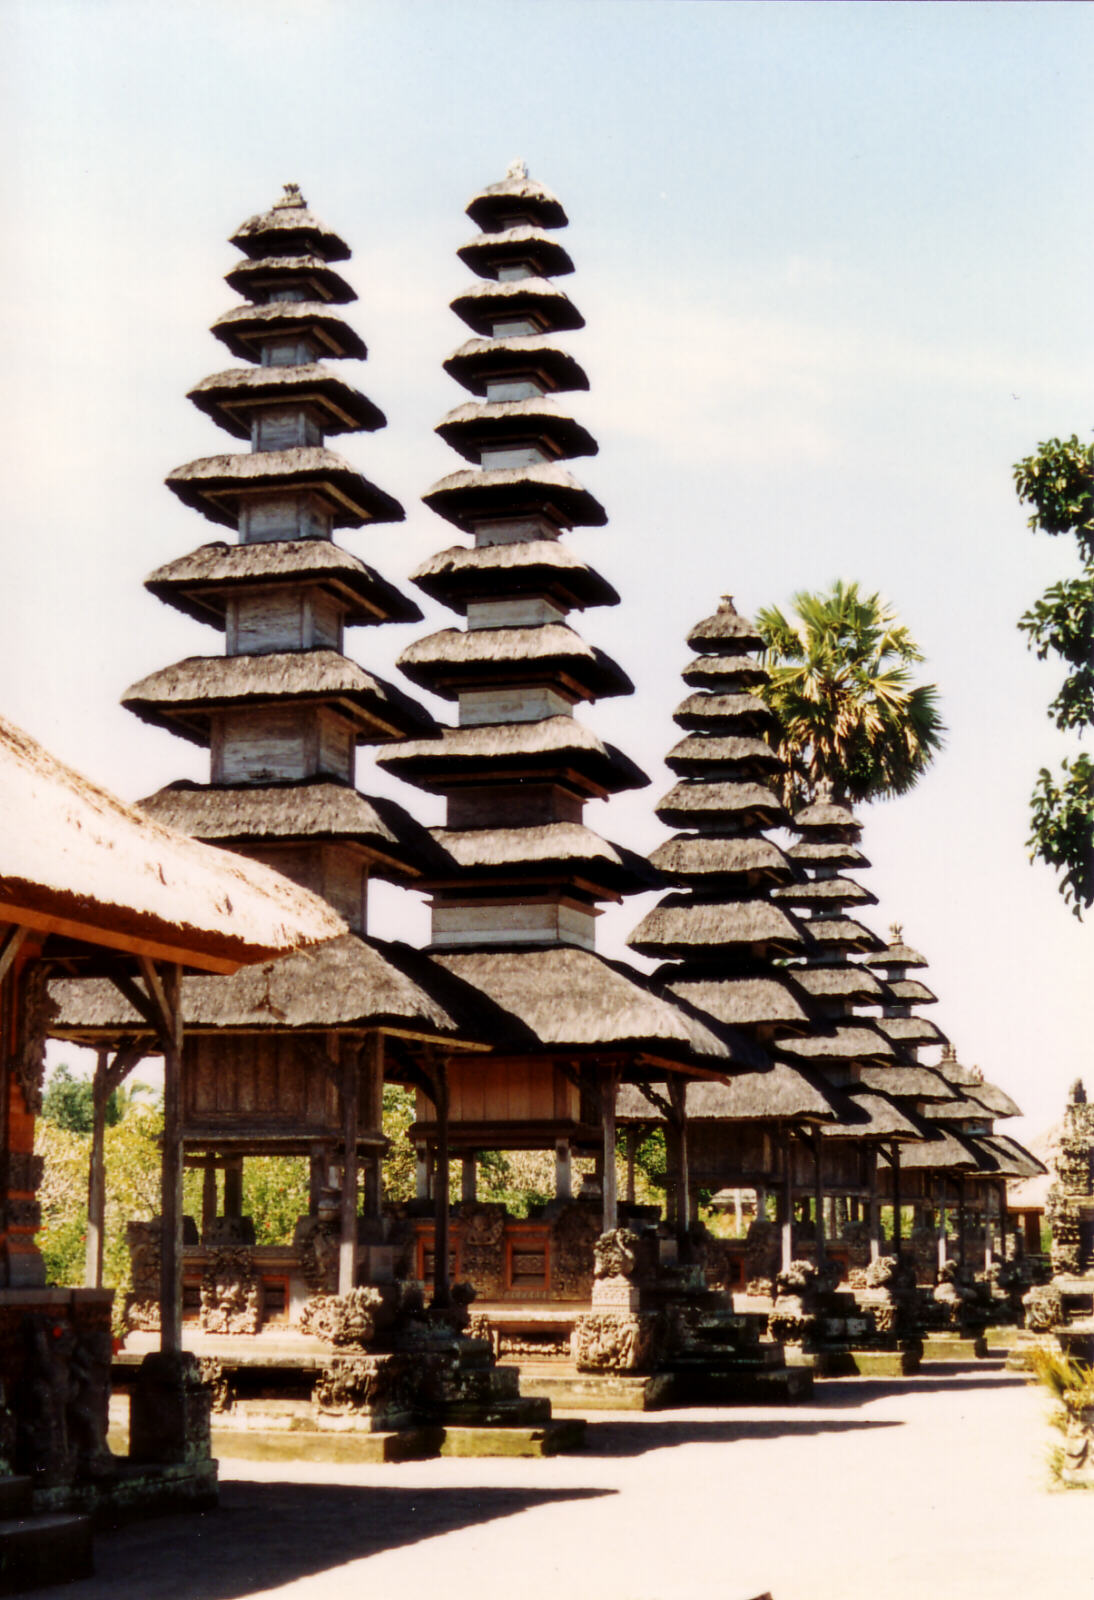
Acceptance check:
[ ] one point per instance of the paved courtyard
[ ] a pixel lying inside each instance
(931, 1487)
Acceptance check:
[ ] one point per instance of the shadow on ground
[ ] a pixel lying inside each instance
(652, 1433)
(847, 1392)
(267, 1534)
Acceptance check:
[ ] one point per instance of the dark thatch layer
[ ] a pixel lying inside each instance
(702, 753)
(997, 1100)
(703, 712)
(872, 1116)
(215, 484)
(847, 981)
(841, 933)
(726, 623)
(516, 195)
(315, 810)
(544, 567)
(1023, 1161)
(841, 1042)
(249, 277)
(917, 1083)
(825, 815)
(232, 398)
(910, 1030)
(486, 252)
(821, 891)
(568, 846)
(489, 301)
(724, 672)
(687, 857)
(180, 697)
(944, 1152)
(464, 498)
(958, 1111)
(780, 1094)
(242, 328)
(453, 659)
(522, 355)
(497, 750)
(478, 423)
(682, 925)
(201, 583)
(288, 220)
(689, 805)
(832, 853)
(898, 954)
(909, 991)
(742, 1002)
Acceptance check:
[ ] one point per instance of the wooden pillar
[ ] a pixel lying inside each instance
(609, 1086)
(208, 1196)
(469, 1173)
(738, 1215)
(96, 1175)
(941, 1224)
(564, 1171)
(874, 1206)
(1003, 1218)
(166, 988)
(895, 1148)
(633, 1136)
(962, 1237)
(233, 1187)
(787, 1230)
(318, 1164)
(678, 1101)
(989, 1253)
(349, 1095)
(442, 1287)
(819, 1253)
(422, 1186)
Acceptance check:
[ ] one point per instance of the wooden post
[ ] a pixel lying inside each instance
(422, 1185)
(632, 1161)
(961, 1222)
(1003, 1220)
(941, 1224)
(349, 1091)
(96, 1175)
(564, 1171)
(874, 1207)
(167, 993)
(678, 1101)
(469, 1172)
(318, 1162)
(819, 1253)
(371, 1059)
(442, 1286)
(989, 1253)
(738, 1215)
(787, 1230)
(208, 1197)
(233, 1187)
(895, 1148)
(609, 1085)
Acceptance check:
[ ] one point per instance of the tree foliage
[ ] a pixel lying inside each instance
(1058, 482)
(842, 687)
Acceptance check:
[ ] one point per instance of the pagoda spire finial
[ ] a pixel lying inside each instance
(517, 168)
(897, 931)
(825, 791)
(290, 199)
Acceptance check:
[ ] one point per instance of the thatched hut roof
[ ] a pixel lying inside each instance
(686, 858)
(824, 815)
(944, 1151)
(181, 697)
(681, 925)
(201, 583)
(516, 195)
(691, 805)
(489, 301)
(910, 1030)
(215, 484)
(465, 497)
(839, 1042)
(841, 933)
(232, 398)
(898, 954)
(869, 1115)
(726, 624)
(702, 712)
(701, 753)
(486, 252)
(914, 1082)
(501, 752)
(244, 328)
(544, 567)
(726, 672)
(287, 225)
(453, 659)
(959, 1111)
(779, 1094)
(740, 1002)
(478, 423)
(552, 846)
(997, 1100)
(846, 981)
(520, 355)
(250, 277)
(77, 861)
(822, 891)
(909, 991)
(1024, 1163)
(826, 852)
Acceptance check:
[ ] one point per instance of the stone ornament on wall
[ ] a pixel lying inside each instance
(316, 1241)
(573, 1235)
(232, 1299)
(615, 1341)
(482, 1245)
(142, 1311)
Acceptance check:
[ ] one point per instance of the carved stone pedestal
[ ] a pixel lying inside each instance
(169, 1419)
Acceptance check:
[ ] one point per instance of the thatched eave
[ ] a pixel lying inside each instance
(466, 497)
(489, 301)
(563, 846)
(692, 804)
(252, 276)
(726, 625)
(233, 398)
(243, 329)
(834, 892)
(479, 424)
(771, 1000)
(495, 752)
(841, 933)
(841, 1042)
(215, 485)
(700, 754)
(682, 925)
(516, 195)
(908, 1082)
(456, 659)
(778, 1094)
(846, 981)
(826, 852)
(287, 225)
(523, 355)
(540, 567)
(486, 252)
(729, 713)
(698, 858)
(725, 673)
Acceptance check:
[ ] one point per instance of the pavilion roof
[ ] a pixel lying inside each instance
(779, 1093)
(910, 1030)
(487, 251)
(847, 980)
(464, 498)
(468, 427)
(839, 1042)
(455, 658)
(699, 754)
(243, 328)
(870, 1115)
(552, 845)
(488, 301)
(305, 267)
(683, 925)
(690, 804)
(288, 218)
(479, 360)
(516, 194)
(687, 857)
(739, 1000)
(538, 566)
(534, 748)
(231, 398)
(714, 632)
(703, 711)
(214, 484)
(914, 1081)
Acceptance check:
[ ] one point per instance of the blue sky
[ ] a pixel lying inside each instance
(834, 261)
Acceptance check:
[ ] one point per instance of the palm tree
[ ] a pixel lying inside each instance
(841, 687)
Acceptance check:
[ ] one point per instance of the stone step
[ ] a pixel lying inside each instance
(547, 1439)
(528, 1411)
(36, 1551)
(568, 1390)
(954, 1347)
(729, 1386)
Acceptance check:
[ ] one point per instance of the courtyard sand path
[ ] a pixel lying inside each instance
(931, 1487)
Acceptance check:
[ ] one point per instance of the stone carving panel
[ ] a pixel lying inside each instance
(613, 1341)
(231, 1293)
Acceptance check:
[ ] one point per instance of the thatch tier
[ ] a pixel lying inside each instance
(943, 1151)
(746, 1001)
(826, 892)
(517, 195)
(235, 397)
(898, 954)
(216, 485)
(553, 847)
(840, 1042)
(77, 862)
(958, 1111)
(700, 858)
(182, 697)
(350, 982)
(252, 278)
(846, 981)
(544, 568)
(779, 1094)
(202, 583)
(869, 1115)
(726, 625)
(548, 652)
(912, 1082)
(909, 991)
(821, 817)
(826, 853)
(709, 713)
(541, 302)
(523, 245)
(1023, 1162)
(571, 999)
(681, 925)
(467, 497)
(994, 1099)
(316, 809)
(910, 1030)
(955, 1072)
(724, 673)
(841, 933)
(696, 805)
(504, 753)
(995, 1161)
(245, 328)
(495, 423)
(726, 753)
(480, 361)
(289, 226)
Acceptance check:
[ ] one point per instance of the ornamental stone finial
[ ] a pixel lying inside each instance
(1077, 1093)
(897, 931)
(517, 169)
(290, 199)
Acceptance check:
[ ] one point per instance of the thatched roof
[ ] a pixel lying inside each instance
(231, 398)
(571, 999)
(77, 861)
(898, 954)
(180, 697)
(503, 751)
(687, 857)
(468, 428)
(288, 219)
(841, 933)
(214, 484)
(997, 1100)
(534, 566)
(516, 195)
(821, 891)
(1024, 1163)
(248, 277)
(724, 672)
(741, 1002)
(779, 1094)
(453, 659)
(825, 815)
(488, 302)
(997, 1161)
(316, 809)
(845, 981)
(910, 1030)
(915, 1082)
(523, 354)
(568, 846)
(348, 982)
(726, 623)
(958, 1111)
(683, 925)
(704, 712)
(839, 1042)
(955, 1072)
(201, 583)
(944, 1151)
(691, 805)
(909, 991)
(243, 328)
(465, 497)
(826, 852)
(486, 252)
(871, 1116)
(700, 753)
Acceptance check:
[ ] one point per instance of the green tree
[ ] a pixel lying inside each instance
(842, 688)
(1058, 482)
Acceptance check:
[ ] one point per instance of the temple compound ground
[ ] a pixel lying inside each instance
(935, 1486)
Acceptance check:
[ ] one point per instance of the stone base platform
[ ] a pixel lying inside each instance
(39, 1548)
(701, 1385)
(1000, 1338)
(1025, 1342)
(846, 1362)
(954, 1347)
